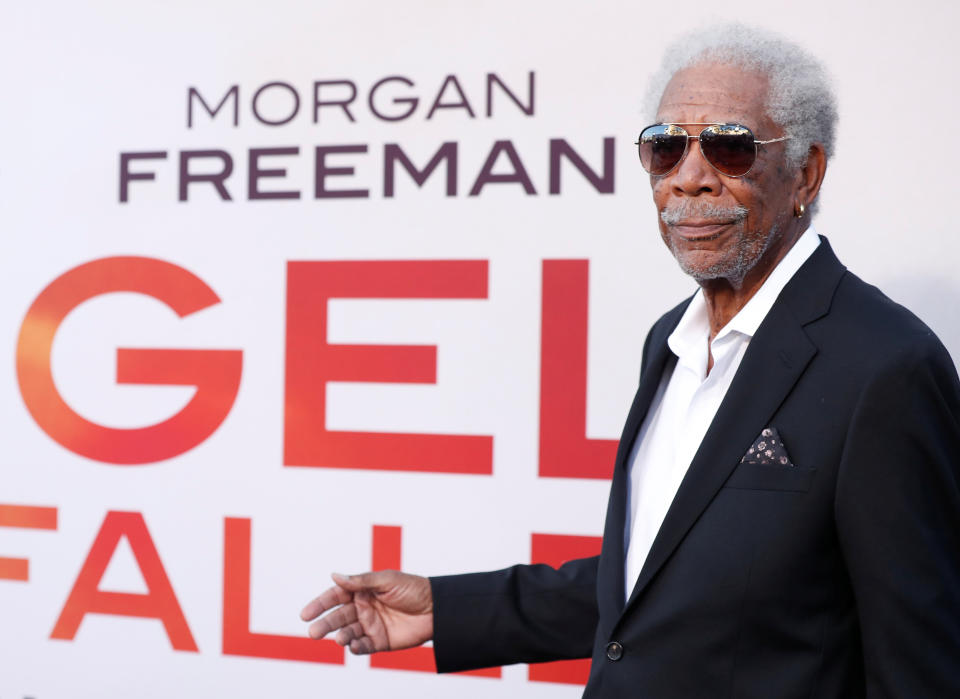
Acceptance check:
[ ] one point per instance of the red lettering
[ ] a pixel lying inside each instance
(237, 637)
(215, 373)
(160, 602)
(311, 363)
(555, 550)
(565, 451)
(23, 517)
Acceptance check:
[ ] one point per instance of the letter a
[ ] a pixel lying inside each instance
(159, 603)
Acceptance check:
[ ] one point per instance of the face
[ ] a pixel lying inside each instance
(730, 229)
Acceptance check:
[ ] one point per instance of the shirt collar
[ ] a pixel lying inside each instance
(687, 339)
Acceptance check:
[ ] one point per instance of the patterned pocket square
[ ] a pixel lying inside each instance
(767, 450)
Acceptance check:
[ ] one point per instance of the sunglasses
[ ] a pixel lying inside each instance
(731, 149)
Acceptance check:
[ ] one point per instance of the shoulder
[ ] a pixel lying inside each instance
(665, 324)
(660, 331)
(881, 333)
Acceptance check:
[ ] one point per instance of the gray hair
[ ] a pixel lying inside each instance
(799, 100)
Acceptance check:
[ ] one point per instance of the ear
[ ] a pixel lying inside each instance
(811, 174)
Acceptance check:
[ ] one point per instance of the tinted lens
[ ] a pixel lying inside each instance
(729, 148)
(661, 148)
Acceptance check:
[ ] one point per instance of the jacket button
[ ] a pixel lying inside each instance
(614, 651)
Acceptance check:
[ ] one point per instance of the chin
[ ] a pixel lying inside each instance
(704, 266)
(732, 262)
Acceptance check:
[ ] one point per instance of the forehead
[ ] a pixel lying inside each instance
(715, 93)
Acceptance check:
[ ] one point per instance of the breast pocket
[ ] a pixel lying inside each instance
(771, 477)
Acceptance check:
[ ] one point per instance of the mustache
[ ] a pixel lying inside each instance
(687, 209)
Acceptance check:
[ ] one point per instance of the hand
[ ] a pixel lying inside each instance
(386, 610)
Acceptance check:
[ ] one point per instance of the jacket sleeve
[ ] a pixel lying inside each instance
(522, 614)
(898, 519)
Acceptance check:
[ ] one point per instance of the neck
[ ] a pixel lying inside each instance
(725, 297)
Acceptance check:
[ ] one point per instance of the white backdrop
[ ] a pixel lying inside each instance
(85, 82)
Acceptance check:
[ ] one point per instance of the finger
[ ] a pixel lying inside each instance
(375, 581)
(327, 600)
(338, 618)
(348, 633)
(362, 646)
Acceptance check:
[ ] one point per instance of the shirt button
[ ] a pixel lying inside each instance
(614, 651)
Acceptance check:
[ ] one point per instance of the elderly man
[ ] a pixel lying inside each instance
(784, 517)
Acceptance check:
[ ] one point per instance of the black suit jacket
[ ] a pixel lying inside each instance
(836, 577)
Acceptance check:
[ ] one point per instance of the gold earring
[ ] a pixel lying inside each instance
(798, 210)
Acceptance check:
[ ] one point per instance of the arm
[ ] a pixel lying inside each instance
(898, 517)
(527, 613)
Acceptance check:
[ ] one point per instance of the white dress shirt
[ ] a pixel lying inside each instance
(687, 400)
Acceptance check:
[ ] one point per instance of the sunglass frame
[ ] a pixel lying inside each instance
(686, 146)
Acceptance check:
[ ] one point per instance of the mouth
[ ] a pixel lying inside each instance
(700, 230)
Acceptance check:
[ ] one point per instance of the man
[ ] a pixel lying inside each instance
(784, 517)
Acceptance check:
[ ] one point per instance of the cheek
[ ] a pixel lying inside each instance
(658, 191)
(767, 192)
(746, 193)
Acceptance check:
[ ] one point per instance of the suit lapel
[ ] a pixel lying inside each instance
(610, 583)
(779, 353)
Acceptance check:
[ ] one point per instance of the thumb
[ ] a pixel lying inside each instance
(364, 581)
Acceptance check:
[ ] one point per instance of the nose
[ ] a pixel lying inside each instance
(694, 175)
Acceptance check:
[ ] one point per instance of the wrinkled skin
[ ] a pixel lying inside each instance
(372, 612)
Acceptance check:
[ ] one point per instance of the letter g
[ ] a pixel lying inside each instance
(215, 373)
